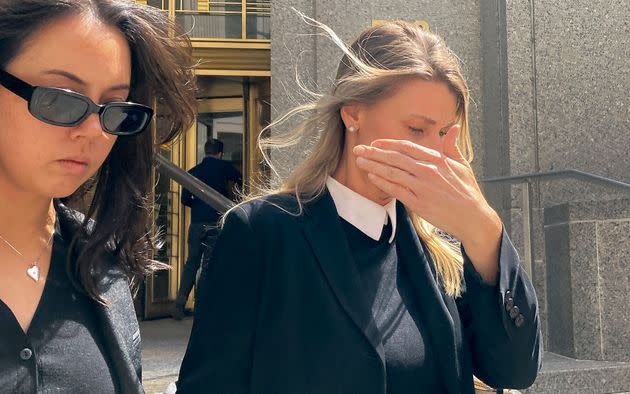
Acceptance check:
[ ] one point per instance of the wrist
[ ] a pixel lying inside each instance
(485, 231)
(483, 246)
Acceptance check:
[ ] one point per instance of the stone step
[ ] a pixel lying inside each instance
(566, 375)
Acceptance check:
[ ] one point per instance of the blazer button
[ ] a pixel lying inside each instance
(514, 312)
(26, 354)
(519, 321)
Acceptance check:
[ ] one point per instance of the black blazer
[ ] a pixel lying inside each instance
(280, 310)
(118, 321)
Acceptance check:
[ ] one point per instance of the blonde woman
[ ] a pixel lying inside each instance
(338, 282)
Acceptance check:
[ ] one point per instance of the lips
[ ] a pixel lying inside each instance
(76, 161)
(74, 165)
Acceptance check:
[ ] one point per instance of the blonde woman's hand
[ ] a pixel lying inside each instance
(441, 188)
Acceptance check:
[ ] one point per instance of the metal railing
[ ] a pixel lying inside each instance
(210, 20)
(528, 179)
(199, 189)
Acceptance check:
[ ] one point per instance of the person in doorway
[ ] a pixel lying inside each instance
(339, 281)
(202, 232)
(77, 82)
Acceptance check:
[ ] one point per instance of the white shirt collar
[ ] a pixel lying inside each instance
(363, 213)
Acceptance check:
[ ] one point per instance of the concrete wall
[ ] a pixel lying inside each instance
(568, 82)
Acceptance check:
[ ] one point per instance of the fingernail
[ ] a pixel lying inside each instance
(359, 150)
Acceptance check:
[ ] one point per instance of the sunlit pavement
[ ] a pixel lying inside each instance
(163, 346)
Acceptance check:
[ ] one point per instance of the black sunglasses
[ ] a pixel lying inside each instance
(62, 107)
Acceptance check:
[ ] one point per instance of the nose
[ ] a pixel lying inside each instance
(89, 128)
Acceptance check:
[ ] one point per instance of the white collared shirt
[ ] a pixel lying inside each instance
(363, 213)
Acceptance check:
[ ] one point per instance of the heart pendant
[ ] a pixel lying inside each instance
(33, 272)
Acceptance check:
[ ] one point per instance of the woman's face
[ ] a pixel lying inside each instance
(417, 112)
(77, 53)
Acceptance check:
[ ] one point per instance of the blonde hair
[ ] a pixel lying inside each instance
(372, 68)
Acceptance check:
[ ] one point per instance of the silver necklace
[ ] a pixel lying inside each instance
(33, 270)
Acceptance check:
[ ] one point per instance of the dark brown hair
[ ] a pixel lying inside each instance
(162, 74)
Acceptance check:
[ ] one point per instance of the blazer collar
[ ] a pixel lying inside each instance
(434, 305)
(120, 327)
(68, 221)
(325, 234)
(118, 321)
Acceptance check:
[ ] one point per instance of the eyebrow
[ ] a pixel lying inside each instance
(432, 121)
(74, 78)
(425, 118)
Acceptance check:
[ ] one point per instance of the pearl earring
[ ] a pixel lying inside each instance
(352, 129)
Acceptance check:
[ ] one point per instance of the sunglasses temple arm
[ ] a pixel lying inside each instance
(16, 85)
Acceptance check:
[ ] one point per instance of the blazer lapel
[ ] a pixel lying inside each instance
(117, 315)
(435, 313)
(323, 230)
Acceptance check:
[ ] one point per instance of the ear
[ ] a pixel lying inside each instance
(351, 115)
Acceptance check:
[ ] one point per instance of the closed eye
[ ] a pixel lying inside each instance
(416, 130)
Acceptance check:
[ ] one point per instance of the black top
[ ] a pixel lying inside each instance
(62, 350)
(217, 174)
(408, 362)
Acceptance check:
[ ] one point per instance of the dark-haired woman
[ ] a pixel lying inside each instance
(77, 82)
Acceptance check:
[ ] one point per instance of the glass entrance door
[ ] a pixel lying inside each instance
(233, 110)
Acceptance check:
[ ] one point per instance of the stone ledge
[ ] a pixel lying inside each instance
(566, 375)
(587, 211)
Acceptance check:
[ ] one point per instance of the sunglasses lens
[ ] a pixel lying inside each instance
(126, 119)
(57, 107)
